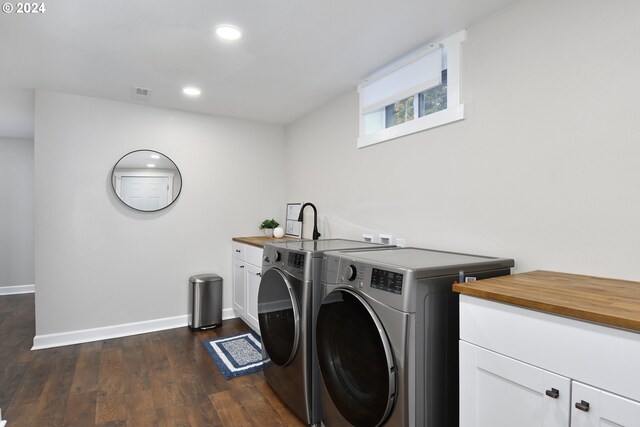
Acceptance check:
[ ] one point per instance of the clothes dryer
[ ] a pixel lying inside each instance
(387, 335)
(288, 301)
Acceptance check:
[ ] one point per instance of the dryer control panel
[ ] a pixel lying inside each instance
(394, 287)
(384, 280)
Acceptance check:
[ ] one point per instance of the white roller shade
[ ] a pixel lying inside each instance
(414, 77)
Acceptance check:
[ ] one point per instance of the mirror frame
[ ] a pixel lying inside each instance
(113, 182)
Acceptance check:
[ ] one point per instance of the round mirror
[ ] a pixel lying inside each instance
(146, 180)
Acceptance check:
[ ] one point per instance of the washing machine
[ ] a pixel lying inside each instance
(288, 301)
(387, 335)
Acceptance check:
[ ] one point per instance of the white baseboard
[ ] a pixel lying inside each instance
(20, 289)
(124, 330)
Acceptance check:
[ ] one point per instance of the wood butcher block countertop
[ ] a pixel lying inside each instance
(259, 241)
(609, 302)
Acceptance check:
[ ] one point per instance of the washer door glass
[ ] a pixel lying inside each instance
(279, 317)
(355, 358)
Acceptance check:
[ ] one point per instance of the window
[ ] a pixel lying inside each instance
(418, 92)
(434, 99)
(399, 112)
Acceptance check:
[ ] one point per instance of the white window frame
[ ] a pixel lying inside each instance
(454, 110)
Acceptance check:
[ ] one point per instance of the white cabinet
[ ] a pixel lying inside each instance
(499, 391)
(247, 272)
(521, 367)
(594, 407)
(239, 286)
(253, 276)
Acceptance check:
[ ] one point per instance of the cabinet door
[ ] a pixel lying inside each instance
(253, 284)
(238, 286)
(497, 391)
(599, 408)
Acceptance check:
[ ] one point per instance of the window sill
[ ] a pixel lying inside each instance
(420, 124)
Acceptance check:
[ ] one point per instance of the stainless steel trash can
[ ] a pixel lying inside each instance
(205, 301)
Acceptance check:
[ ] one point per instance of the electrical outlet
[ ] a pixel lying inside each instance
(401, 242)
(367, 237)
(385, 239)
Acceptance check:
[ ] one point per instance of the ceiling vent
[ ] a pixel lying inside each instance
(140, 93)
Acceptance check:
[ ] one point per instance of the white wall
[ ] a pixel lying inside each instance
(16, 213)
(100, 263)
(543, 169)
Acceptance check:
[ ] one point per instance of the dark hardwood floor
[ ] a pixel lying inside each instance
(157, 379)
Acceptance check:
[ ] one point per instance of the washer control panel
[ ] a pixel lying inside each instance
(296, 260)
(296, 263)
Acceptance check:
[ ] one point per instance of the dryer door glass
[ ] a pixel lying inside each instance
(355, 359)
(279, 317)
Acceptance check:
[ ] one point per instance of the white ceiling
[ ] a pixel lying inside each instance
(295, 55)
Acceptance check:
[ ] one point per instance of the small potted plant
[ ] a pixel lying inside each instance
(268, 225)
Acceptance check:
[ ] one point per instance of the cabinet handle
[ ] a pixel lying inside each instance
(238, 250)
(242, 266)
(553, 393)
(583, 406)
(259, 274)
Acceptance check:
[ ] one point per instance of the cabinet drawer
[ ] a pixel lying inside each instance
(238, 250)
(253, 255)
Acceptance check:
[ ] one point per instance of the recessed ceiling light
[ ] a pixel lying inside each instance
(151, 165)
(155, 156)
(191, 91)
(228, 32)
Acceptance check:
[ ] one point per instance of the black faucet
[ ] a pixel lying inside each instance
(315, 219)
